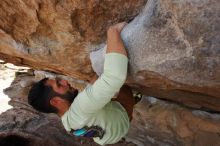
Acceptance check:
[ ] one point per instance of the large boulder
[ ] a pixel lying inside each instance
(174, 52)
(173, 46)
(160, 123)
(58, 35)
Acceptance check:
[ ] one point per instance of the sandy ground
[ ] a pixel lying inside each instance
(7, 74)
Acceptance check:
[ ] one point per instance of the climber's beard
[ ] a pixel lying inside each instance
(70, 94)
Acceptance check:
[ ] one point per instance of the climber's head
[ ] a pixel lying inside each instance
(52, 96)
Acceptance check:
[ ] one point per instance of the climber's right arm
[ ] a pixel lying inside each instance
(96, 96)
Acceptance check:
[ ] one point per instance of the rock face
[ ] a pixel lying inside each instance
(57, 35)
(173, 45)
(159, 123)
(174, 52)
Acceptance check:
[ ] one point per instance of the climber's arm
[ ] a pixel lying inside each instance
(114, 43)
(96, 96)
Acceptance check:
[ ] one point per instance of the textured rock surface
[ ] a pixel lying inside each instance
(174, 51)
(159, 123)
(173, 46)
(178, 48)
(57, 35)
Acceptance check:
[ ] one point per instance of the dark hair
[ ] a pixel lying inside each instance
(39, 97)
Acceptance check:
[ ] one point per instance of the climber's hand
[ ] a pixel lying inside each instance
(118, 27)
(114, 41)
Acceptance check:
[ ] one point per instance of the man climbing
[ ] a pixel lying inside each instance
(92, 113)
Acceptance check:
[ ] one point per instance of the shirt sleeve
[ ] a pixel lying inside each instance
(96, 96)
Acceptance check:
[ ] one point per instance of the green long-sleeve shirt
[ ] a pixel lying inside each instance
(93, 106)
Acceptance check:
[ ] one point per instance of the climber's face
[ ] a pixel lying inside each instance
(63, 88)
(63, 94)
(59, 85)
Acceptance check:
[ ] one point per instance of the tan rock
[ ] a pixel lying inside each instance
(57, 35)
(173, 46)
(164, 123)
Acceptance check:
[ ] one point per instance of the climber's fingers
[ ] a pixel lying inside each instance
(118, 26)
